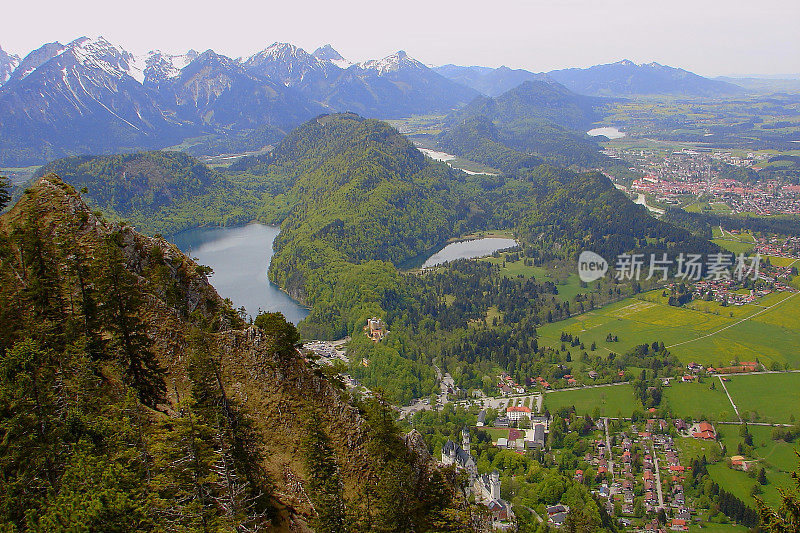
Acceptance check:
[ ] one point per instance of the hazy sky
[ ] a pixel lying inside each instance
(711, 37)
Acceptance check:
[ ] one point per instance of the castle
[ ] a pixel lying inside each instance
(485, 487)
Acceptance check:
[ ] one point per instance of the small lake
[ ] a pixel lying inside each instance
(240, 257)
(469, 250)
(609, 131)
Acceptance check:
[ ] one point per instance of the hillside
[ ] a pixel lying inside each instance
(625, 78)
(541, 118)
(133, 398)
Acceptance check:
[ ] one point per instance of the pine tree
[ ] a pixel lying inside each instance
(325, 486)
(185, 477)
(133, 346)
(243, 488)
(5, 192)
(30, 428)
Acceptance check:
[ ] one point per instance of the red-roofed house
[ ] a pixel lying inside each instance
(518, 412)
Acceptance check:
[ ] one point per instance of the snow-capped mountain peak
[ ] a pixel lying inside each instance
(113, 60)
(329, 54)
(392, 63)
(282, 52)
(161, 66)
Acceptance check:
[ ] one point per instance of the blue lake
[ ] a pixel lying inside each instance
(469, 250)
(240, 257)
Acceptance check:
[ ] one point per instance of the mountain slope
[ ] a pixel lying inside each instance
(489, 81)
(397, 85)
(205, 435)
(214, 90)
(8, 63)
(625, 78)
(540, 118)
(83, 98)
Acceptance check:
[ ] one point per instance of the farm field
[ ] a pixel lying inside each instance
(766, 397)
(703, 332)
(614, 400)
(696, 401)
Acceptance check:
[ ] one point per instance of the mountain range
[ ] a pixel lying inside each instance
(91, 96)
(621, 79)
(626, 78)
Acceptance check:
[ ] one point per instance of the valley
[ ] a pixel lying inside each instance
(290, 291)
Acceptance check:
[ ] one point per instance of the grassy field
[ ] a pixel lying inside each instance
(698, 402)
(776, 457)
(689, 448)
(780, 261)
(717, 528)
(737, 247)
(564, 276)
(496, 433)
(767, 397)
(705, 332)
(615, 400)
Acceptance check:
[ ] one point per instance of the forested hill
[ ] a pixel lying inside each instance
(135, 185)
(164, 192)
(538, 117)
(132, 398)
(357, 183)
(362, 200)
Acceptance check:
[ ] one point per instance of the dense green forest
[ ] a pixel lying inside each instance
(133, 398)
(356, 200)
(541, 119)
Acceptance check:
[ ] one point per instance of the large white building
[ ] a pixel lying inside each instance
(515, 413)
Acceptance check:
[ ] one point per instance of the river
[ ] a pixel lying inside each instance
(240, 257)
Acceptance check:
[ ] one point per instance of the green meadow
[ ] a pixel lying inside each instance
(776, 457)
(697, 401)
(704, 332)
(614, 400)
(773, 398)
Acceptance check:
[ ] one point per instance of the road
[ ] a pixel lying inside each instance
(658, 476)
(606, 422)
(736, 409)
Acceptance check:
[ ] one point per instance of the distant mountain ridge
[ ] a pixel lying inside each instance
(625, 78)
(90, 96)
(489, 81)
